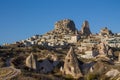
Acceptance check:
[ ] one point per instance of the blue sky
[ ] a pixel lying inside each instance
(20, 19)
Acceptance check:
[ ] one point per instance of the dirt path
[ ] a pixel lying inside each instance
(8, 73)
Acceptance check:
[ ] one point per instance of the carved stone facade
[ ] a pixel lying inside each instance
(71, 65)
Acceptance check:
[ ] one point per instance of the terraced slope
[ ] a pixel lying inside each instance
(8, 73)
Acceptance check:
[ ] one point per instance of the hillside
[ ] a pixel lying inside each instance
(65, 53)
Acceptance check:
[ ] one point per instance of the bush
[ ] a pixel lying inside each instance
(91, 76)
(69, 77)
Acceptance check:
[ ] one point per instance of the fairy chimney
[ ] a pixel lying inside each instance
(85, 30)
(71, 65)
(31, 62)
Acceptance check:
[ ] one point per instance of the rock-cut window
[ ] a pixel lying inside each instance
(68, 60)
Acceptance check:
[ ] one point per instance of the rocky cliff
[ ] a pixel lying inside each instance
(65, 25)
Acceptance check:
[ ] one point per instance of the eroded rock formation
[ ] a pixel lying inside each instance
(119, 57)
(71, 65)
(103, 49)
(31, 61)
(105, 31)
(65, 25)
(85, 30)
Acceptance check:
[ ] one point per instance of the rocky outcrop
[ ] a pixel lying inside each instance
(71, 65)
(103, 49)
(119, 57)
(85, 30)
(65, 25)
(100, 67)
(106, 31)
(31, 62)
(112, 73)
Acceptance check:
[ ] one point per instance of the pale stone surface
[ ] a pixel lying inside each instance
(31, 62)
(110, 52)
(119, 57)
(118, 62)
(71, 65)
(65, 24)
(103, 49)
(112, 73)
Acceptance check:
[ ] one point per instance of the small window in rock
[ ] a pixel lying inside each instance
(69, 69)
(68, 60)
(42, 68)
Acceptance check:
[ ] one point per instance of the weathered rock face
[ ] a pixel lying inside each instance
(119, 57)
(85, 30)
(71, 65)
(110, 52)
(105, 31)
(66, 24)
(103, 49)
(31, 62)
(100, 67)
(112, 73)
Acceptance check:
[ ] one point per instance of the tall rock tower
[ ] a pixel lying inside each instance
(85, 30)
(31, 62)
(71, 65)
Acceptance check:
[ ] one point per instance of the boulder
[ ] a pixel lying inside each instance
(71, 65)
